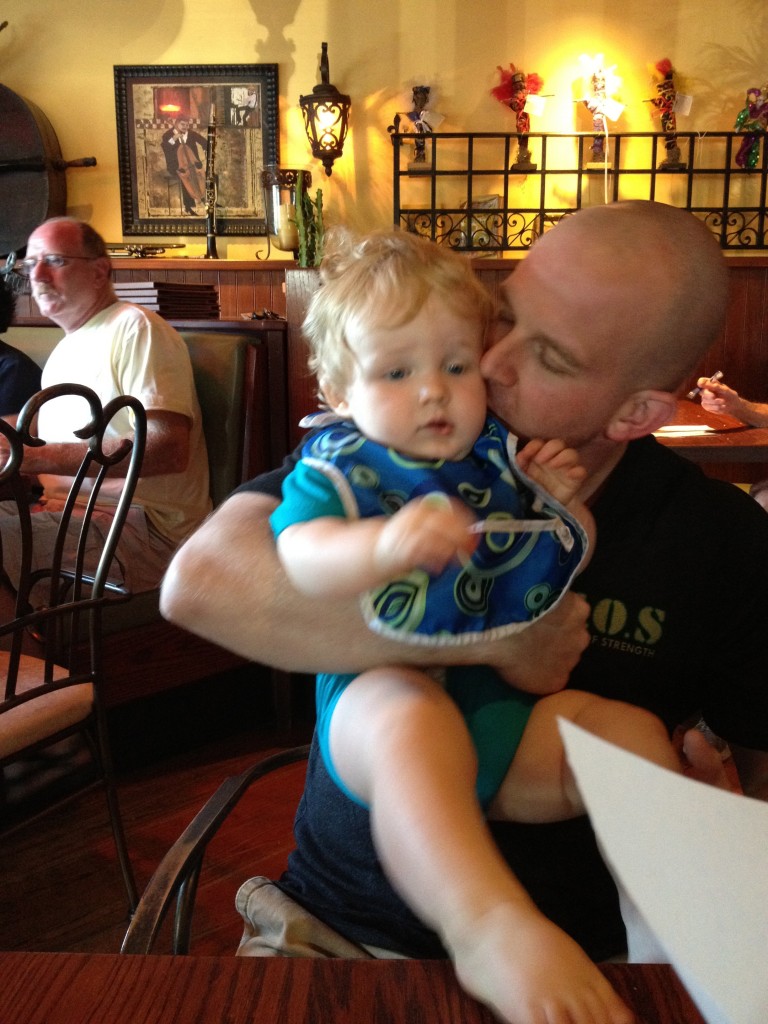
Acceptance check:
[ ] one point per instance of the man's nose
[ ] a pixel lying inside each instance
(498, 365)
(40, 271)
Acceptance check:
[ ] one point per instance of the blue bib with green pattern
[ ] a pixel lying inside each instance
(530, 546)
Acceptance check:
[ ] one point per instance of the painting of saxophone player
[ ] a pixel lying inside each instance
(184, 151)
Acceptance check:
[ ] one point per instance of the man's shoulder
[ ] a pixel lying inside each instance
(122, 314)
(664, 480)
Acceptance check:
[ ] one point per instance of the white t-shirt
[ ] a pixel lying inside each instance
(127, 350)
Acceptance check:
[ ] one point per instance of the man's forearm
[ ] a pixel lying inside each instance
(754, 413)
(226, 584)
(167, 451)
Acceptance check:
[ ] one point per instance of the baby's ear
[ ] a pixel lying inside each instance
(333, 398)
(641, 414)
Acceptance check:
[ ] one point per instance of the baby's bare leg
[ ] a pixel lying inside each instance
(540, 787)
(400, 744)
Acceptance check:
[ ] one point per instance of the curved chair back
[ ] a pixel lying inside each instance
(178, 873)
(51, 661)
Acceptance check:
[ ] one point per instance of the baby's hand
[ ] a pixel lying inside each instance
(427, 533)
(554, 466)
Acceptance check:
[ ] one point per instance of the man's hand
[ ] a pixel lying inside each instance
(543, 655)
(720, 399)
(703, 762)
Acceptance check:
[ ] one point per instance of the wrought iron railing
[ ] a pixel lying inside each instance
(474, 192)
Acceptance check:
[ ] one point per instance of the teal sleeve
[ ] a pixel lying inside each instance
(307, 494)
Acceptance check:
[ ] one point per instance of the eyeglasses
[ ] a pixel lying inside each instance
(51, 260)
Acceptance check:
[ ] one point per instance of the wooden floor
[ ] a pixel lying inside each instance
(60, 885)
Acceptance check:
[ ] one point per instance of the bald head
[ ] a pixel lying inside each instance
(652, 274)
(74, 292)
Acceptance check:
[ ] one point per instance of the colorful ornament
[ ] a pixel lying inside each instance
(600, 85)
(513, 91)
(663, 75)
(753, 120)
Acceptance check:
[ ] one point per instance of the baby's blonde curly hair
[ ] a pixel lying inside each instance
(382, 279)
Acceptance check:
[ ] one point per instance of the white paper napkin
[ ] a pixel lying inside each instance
(694, 860)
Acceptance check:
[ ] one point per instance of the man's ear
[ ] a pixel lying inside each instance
(103, 268)
(641, 414)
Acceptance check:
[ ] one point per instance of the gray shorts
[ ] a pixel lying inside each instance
(142, 553)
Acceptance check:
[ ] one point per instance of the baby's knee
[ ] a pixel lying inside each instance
(396, 698)
(611, 719)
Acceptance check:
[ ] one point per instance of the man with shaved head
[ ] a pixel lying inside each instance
(598, 329)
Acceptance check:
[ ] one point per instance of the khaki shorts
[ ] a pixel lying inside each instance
(142, 553)
(274, 925)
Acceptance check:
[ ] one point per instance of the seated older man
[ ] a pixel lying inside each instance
(114, 348)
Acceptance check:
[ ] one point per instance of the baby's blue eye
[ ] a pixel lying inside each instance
(396, 374)
(455, 368)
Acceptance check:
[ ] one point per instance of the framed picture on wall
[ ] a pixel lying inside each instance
(178, 123)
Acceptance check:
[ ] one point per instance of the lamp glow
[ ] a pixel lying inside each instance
(326, 117)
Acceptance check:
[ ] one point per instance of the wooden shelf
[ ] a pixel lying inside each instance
(243, 286)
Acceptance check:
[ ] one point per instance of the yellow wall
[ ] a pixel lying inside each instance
(59, 54)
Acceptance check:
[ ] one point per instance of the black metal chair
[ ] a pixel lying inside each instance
(177, 875)
(51, 663)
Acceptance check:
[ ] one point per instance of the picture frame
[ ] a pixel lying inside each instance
(162, 172)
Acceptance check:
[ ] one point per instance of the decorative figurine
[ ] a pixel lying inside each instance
(752, 120)
(423, 122)
(513, 91)
(663, 74)
(601, 84)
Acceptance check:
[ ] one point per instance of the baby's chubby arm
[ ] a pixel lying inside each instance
(334, 557)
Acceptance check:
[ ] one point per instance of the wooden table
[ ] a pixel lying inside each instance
(729, 441)
(75, 988)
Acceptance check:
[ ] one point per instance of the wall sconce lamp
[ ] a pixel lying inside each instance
(326, 117)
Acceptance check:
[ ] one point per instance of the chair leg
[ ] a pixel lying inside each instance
(185, 906)
(121, 846)
(103, 757)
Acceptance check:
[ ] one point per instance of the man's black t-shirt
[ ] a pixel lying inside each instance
(677, 588)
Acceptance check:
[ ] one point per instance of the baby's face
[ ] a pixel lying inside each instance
(417, 387)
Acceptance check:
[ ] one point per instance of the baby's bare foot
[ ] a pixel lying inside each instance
(530, 972)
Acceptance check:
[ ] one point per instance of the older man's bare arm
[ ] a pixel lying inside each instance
(167, 449)
(226, 584)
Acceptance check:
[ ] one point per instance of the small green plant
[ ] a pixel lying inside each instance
(310, 226)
